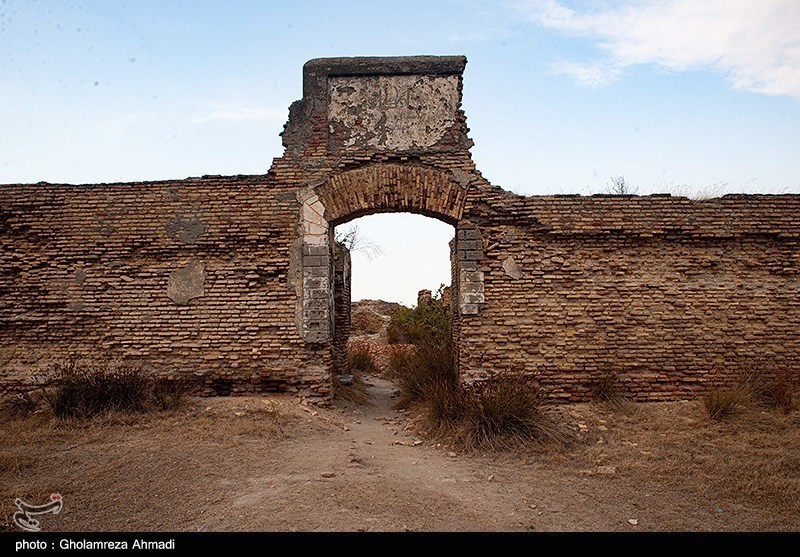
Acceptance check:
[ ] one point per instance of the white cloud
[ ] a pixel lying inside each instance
(242, 113)
(754, 44)
(591, 75)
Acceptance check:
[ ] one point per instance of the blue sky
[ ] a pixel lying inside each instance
(687, 96)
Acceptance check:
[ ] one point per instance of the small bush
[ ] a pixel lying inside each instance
(505, 410)
(428, 366)
(502, 412)
(443, 408)
(721, 402)
(360, 359)
(397, 359)
(85, 390)
(428, 322)
(768, 383)
(606, 388)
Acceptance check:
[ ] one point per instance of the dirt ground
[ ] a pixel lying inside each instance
(270, 464)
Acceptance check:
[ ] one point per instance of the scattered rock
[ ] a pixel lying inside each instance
(452, 455)
(416, 443)
(633, 521)
(607, 470)
(328, 474)
(491, 477)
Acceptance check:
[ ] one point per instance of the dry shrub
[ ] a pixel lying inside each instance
(760, 380)
(504, 411)
(605, 388)
(499, 413)
(442, 409)
(75, 390)
(767, 382)
(360, 359)
(426, 368)
(721, 402)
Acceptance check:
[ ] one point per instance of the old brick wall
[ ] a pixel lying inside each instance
(669, 294)
(233, 278)
(191, 276)
(342, 323)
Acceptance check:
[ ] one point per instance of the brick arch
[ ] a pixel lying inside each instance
(389, 187)
(381, 188)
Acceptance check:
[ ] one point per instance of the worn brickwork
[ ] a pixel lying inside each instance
(233, 278)
(343, 322)
(669, 294)
(191, 276)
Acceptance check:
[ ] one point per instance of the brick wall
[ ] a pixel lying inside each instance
(191, 276)
(669, 294)
(233, 278)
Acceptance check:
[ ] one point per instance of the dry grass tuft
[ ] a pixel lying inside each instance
(360, 361)
(721, 402)
(83, 390)
(426, 370)
(504, 412)
(606, 389)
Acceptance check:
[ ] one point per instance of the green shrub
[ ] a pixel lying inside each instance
(85, 390)
(427, 322)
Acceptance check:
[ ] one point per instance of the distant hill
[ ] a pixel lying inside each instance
(371, 317)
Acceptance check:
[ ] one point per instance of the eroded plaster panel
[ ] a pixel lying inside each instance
(187, 283)
(395, 112)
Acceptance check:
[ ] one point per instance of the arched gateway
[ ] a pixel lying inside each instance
(231, 278)
(393, 138)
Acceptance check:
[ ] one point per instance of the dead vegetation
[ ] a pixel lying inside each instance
(751, 459)
(672, 456)
(75, 389)
(41, 454)
(760, 382)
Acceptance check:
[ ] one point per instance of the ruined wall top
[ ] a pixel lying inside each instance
(389, 104)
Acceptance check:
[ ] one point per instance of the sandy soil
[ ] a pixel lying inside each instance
(264, 464)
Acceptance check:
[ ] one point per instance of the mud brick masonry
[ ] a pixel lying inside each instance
(232, 278)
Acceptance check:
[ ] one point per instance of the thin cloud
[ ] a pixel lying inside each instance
(755, 45)
(242, 114)
(594, 75)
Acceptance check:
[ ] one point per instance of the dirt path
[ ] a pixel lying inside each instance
(265, 464)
